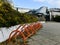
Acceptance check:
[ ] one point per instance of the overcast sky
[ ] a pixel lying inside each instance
(34, 4)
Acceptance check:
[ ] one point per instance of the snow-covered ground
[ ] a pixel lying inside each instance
(5, 32)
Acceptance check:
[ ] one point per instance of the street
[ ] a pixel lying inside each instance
(48, 35)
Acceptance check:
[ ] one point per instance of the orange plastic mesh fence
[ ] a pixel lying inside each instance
(26, 31)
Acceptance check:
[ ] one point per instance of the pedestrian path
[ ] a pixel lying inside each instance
(48, 35)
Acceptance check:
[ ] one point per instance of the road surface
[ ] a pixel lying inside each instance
(48, 35)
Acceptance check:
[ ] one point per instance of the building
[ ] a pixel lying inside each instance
(42, 9)
(47, 13)
(53, 12)
(41, 13)
(22, 10)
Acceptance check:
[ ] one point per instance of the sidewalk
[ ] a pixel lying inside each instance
(48, 35)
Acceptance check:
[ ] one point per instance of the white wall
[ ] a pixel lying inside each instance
(56, 13)
(23, 10)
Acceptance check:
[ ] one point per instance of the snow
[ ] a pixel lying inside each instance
(5, 32)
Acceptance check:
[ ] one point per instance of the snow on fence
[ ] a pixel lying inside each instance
(5, 32)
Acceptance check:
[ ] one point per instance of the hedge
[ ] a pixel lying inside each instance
(57, 18)
(10, 17)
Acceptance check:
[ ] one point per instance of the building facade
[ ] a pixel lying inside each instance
(22, 10)
(53, 12)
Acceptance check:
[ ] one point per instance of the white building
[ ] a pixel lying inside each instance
(54, 12)
(42, 10)
(22, 10)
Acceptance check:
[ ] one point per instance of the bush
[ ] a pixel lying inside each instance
(57, 18)
(10, 17)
